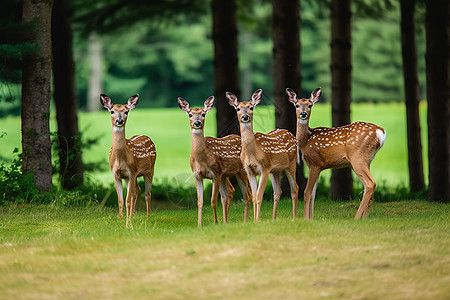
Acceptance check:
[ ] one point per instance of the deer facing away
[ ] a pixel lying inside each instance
(265, 155)
(216, 159)
(129, 158)
(323, 148)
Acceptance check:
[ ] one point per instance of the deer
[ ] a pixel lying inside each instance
(129, 158)
(265, 155)
(216, 159)
(353, 145)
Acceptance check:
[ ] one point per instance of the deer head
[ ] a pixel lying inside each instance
(303, 106)
(119, 112)
(196, 115)
(245, 109)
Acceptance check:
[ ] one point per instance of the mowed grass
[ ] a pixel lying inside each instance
(169, 129)
(400, 252)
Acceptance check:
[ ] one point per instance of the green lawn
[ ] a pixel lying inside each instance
(168, 127)
(399, 252)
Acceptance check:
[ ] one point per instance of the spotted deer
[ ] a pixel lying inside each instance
(265, 155)
(129, 158)
(323, 148)
(216, 159)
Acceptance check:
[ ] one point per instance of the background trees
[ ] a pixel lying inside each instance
(166, 49)
(36, 94)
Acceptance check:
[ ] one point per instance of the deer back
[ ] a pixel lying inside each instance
(335, 147)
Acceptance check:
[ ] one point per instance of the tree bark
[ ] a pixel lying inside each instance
(286, 69)
(341, 80)
(412, 98)
(226, 71)
(438, 94)
(66, 102)
(36, 94)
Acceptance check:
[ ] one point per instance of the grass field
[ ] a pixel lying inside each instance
(169, 129)
(399, 252)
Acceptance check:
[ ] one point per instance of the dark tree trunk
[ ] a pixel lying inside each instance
(341, 80)
(411, 85)
(36, 94)
(226, 72)
(69, 150)
(438, 96)
(286, 69)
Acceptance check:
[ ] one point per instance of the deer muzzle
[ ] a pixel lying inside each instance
(303, 115)
(245, 118)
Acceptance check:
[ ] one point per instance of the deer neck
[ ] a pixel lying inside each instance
(248, 139)
(303, 132)
(198, 142)
(119, 142)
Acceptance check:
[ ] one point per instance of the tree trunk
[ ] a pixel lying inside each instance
(438, 94)
(341, 80)
(226, 71)
(286, 69)
(96, 72)
(411, 85)
(66, 102)
(36, 94)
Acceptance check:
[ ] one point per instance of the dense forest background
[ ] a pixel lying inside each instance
(161, 60)
(70, 51)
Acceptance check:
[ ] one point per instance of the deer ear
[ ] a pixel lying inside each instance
(184, 105)
(232, 99)
(133, 101)
(292, 96)
(315, 95)
(106, 101)
(209, 103)
(256, 97)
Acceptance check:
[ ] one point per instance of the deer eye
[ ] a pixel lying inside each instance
(251, 108)
(126, 113)
(112, 112)
(190, 115)
(310, 105)
(238, 109)
(296, 105)
(203, 115)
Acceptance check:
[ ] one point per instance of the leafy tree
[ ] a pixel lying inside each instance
(226, 71)
(66, 103)
(438, 67)
(341, 66)
(36, 94)
(287, 67)
(412, 95)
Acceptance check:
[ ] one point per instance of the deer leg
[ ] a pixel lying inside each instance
(119, 191)
(246, 193)
(231, 191)
(362, 171)
(264, 177)
(137, 192)
(215, 193)
(276, 185)
(199, 187)
(148, 192)
(226, 190)
(294, 192)
(309, 193)
(129, 201)
(254, 189)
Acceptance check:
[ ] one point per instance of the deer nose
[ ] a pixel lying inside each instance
(303, 115)
(197, 124)
(119, 122)
(245, 118)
